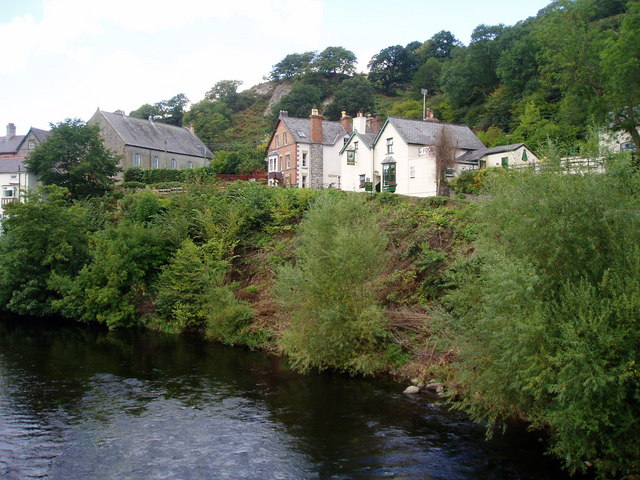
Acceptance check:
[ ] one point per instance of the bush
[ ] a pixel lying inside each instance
(550, 313)
(134, 174)
(133, 185)
(336, 322)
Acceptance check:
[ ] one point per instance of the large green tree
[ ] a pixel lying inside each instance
(75, 157)
(43, 238)
(299, 101)
(354, 95)
(620, 60)
(168, 111)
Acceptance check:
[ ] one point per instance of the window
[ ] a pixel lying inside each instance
(301, 133)
(504, 161)
(32, 145)
(351, 157)
(284, 138)
(345, 140)
(280, 161)
(389, 177)
(628, 147)
(8, 192)
(174, 164)
(304, 159)
(389, 145)
(155, 163)
(136, 160)
(450, 172)
(189, 164)
(304, 181)
(277, 141)
(287, 158)
(412, 171)
(483, 164)
(355, 145)
(362, 180)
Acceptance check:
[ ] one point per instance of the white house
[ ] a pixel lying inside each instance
(14, 181)
(402, 157)
(516, 155)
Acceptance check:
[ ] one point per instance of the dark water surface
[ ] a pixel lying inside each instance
(83, 403)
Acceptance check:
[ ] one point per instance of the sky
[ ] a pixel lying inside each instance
(66, 58)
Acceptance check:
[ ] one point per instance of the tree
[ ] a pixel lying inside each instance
(550, 317)
(165, 111)
(44, 238)
(330, 290)
(75, 157)
(209, 119)
(293, 65)
(225, 91)
(620, 60)
(335, 60)
(428, 76)
(391, 68)
(445, 158)
(354, 95)
(440, 46)
(299, 101)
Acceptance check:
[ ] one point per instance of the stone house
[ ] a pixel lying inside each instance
(304, 152)
(148, 144)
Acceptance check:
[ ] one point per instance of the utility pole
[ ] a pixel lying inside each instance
(424, 92)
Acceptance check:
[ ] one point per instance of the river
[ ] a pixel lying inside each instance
(78, 402)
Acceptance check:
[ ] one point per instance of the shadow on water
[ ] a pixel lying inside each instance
(78, 400)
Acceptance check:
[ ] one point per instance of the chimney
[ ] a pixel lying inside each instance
(374, 124)
(191, 128)
(284, 113)
(360, 123)
(11, 130)
(316, 126)
(428, 116)
(346, 122)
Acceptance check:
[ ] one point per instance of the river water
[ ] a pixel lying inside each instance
(83, 403)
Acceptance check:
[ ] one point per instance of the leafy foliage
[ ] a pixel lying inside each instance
(165, 111)
(75, 158)
(549, 313)
(336, 322)
(45, 237)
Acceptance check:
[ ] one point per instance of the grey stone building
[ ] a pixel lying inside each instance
(148, 144)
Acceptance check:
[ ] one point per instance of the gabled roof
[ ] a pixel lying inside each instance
(366, 138)
(156, 136)
(39, 134)
(11, 144)
(300, 129)
(478, 154)
(420, 132)
(12, 165)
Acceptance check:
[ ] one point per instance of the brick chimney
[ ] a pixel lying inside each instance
(11, 130)
(347, 122)
(374, 124)
(316, 126)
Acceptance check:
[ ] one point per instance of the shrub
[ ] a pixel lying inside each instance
(336, 322)
(551, 319)
(134, 174)
(133, 185)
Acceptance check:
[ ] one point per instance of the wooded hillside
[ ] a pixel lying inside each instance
(548, 78)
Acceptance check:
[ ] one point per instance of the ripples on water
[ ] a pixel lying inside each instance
(79, 403)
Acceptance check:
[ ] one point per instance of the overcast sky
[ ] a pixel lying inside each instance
(65, 58)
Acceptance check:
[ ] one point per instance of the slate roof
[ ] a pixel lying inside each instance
(41, 135)
(421, 132)
(478, 154)
(366, 138)
(156, 136)
(300, 129)
(12, 165)
(10, 145)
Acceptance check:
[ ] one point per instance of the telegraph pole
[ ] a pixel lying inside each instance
(424, 92)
